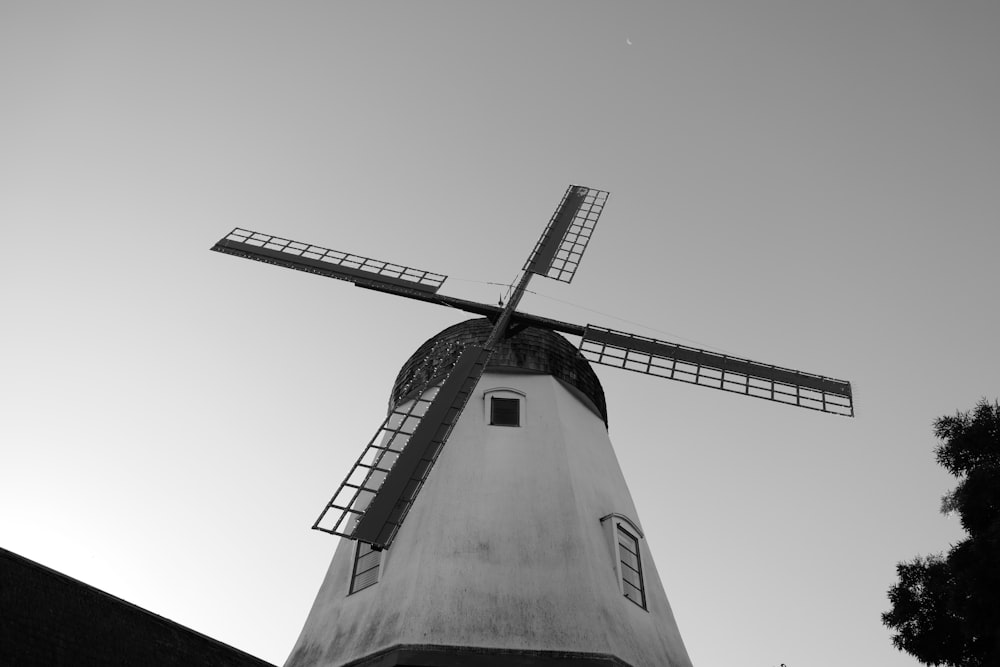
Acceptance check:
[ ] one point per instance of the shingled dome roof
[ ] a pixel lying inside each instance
(530, 350)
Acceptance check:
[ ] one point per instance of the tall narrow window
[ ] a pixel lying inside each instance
(625, 543)
(366, 565)
(631, 568)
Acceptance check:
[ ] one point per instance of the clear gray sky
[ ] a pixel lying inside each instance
(810, 184)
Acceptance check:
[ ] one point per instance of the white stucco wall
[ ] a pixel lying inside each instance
(504, 548)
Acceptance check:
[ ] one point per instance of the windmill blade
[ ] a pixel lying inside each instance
(373, 500)
(560, 248)
(719, 371)
(363, 271)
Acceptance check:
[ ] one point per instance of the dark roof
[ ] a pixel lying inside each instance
(528, 350)
(47, 618)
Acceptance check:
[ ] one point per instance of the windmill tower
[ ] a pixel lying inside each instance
(518, 543)
(513, 554)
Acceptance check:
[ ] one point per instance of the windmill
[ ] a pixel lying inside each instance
(372, 503)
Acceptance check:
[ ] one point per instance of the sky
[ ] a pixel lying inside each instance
(808, 184)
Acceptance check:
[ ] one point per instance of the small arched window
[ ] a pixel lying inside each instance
(504, 406)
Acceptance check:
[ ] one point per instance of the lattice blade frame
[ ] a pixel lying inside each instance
(718, 371)
(352, 498)
(558, 252)
(372, 502)
(326, 262)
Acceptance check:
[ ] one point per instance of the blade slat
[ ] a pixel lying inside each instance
(558, 251)
(719, 371)
(372, 502)
(326, 262)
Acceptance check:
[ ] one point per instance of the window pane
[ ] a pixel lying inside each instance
(627, 540)
(365, 579)
(631, 576)
(505, 411)
(635, 595)
(367, 562)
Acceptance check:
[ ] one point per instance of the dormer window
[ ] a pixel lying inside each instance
(504, 407)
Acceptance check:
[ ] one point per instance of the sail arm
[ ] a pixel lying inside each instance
(560, 248)
(372, 502)
(363, 271)
(719, 371)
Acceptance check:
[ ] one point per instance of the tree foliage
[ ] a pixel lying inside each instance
(946, 609)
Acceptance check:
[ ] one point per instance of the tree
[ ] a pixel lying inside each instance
(946, 609)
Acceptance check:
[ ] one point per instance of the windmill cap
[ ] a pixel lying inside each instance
(529, 350)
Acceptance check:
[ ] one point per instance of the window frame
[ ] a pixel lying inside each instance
(507, 393)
